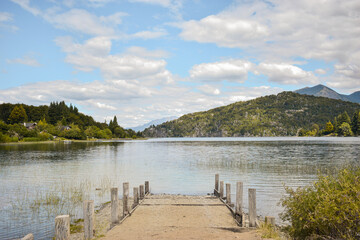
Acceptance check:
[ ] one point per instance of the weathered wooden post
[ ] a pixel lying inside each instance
(141, 187)
(221, 194)
(88, 213)
(252, 207)
(62, 227)
(29, 236)
(114, 206)
(136, 197)
(270, 220)
(239, 198)
(125, 198)
(147, 189)
(216, 190)
(228, 193)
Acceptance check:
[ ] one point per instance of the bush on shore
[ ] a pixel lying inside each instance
(327, 209)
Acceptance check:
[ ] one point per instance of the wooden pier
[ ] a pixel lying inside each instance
(164, 216)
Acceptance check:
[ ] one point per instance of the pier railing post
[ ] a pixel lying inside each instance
(125, 198)
(228, 193)
(216, 190)
(62, 227)
(221, 194)
(147, 189)
(114, 206)
(270, 220)
(239, 198)
(252, 207)
(88, 219)
(136, 197)
(142, 194)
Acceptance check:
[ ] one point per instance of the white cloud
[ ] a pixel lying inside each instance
(5, 20)
(143, 52)
(320, 71)
(209, 90)
(79, 20)
(224, 31)
(94, 54)
(26, 60)
(286, 74)
(231, 70)
(346, 77)
(163, 3)
(25, 4)
(5, 17)
(148, 34)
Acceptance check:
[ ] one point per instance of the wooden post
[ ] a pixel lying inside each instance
(216, 191)
(136, 196)
(141, 191)
(88, 219)
(62, 227)
(252, 207)
(228, 193)
(270, 220)
(114, 206)
(29, 236)
(221, 195)
(125, 198)
(147, 190)
(239, 198)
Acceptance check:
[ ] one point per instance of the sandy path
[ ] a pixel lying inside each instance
(180, 217)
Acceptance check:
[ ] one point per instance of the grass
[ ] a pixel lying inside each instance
(271, 232)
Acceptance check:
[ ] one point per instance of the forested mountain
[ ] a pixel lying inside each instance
(285, 114)
(20, 122)
(323, 91)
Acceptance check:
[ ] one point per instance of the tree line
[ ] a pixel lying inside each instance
(342, 125)
(20, 122)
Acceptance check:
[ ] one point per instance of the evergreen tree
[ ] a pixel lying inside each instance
(355, 123)
(329, 128)
(18, 115)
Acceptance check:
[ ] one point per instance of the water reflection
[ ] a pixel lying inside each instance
(185, 166)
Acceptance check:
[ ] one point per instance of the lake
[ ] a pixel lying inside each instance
(36, 178)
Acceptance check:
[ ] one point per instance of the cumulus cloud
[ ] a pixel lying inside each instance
(209, 90)
(323, 30)
(320, 71)
(94, 54)
(26, 60)
(143, 52)
(224, 31)
(148, 34)
(346, 77)
(286, 74)
(231, 70)
(77, 20)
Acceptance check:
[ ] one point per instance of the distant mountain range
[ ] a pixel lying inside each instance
(153, 122)
(323, 91)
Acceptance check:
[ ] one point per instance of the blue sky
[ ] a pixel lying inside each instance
(147, 59)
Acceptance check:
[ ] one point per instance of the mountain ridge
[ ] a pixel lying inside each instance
(324, 91)
(283, 114)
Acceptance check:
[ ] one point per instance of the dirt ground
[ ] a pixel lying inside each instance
(180, 217)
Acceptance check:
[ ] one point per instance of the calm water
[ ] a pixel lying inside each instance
(184, 166)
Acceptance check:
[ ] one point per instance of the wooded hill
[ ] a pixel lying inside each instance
(285, 114)
(20, 122)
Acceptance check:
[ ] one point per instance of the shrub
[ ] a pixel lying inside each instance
(327, 209)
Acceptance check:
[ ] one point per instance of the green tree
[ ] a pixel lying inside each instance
(345, 129)
(18, 115)
(355, 123)
(329, 128)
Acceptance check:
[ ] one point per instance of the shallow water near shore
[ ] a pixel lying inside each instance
(172, 165)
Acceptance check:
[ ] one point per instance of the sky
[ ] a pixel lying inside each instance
(142, 60)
